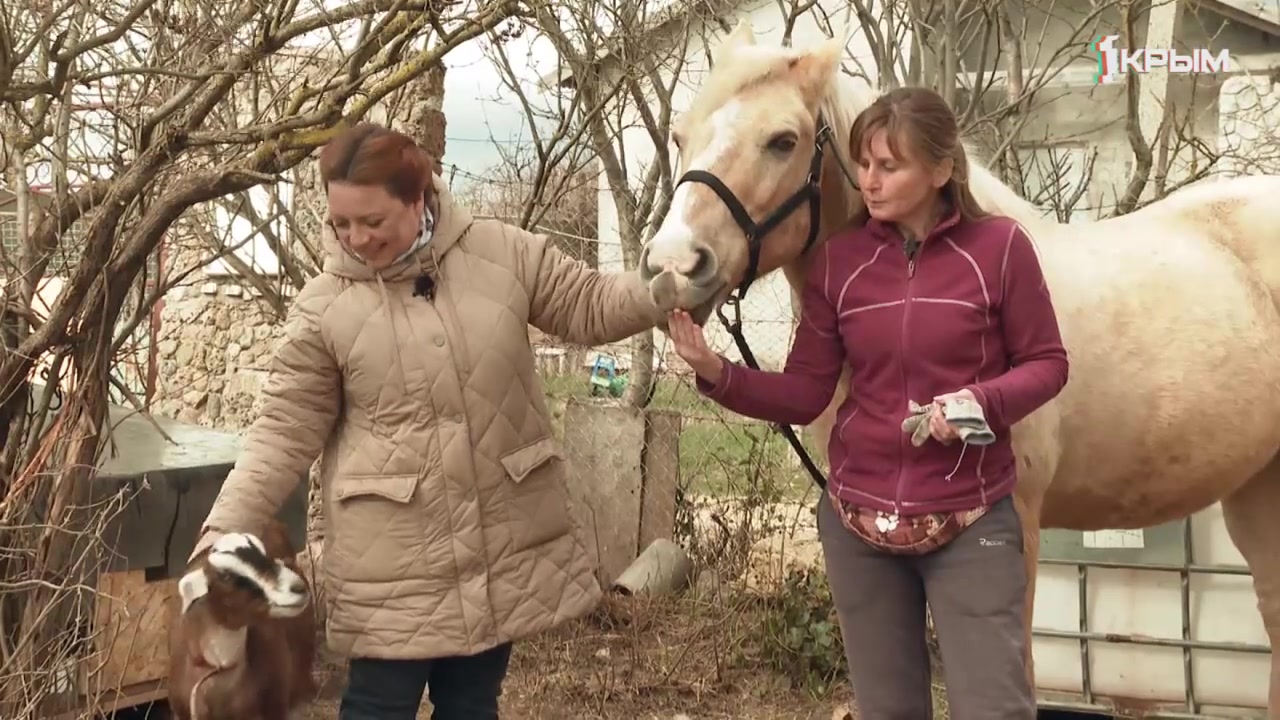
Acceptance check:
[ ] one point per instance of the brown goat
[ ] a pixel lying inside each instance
(243, 646)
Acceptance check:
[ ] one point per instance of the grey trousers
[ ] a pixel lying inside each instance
(975, 589)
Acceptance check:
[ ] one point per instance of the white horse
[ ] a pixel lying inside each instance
(1171, 314)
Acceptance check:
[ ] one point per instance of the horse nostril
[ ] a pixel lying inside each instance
(298, 587)
(704, 266)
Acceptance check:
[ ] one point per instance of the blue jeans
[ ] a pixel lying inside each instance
(460, 688)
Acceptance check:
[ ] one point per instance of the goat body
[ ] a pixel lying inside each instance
(243, 645)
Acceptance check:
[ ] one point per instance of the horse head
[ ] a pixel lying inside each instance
(767, 173)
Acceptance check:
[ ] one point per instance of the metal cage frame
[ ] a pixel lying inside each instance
(1058, 550)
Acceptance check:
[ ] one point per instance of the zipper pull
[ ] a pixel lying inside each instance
(911, 267)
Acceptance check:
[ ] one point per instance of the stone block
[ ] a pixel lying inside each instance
(622, 472)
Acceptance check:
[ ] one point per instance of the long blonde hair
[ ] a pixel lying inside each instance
(919, 117)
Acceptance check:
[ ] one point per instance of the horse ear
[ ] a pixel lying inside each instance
(843, 31)
(742, 35)
(815, 68)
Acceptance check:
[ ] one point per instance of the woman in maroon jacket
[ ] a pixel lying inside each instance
(932, 302)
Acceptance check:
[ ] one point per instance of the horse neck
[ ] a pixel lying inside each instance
(998, 198)
(839, 196)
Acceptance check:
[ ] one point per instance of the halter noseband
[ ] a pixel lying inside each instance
(809, 192)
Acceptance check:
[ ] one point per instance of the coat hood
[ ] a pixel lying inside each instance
(451, 222)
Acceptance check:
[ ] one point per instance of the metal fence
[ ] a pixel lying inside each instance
(722, 458)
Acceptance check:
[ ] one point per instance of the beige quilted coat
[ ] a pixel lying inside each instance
(449, 528)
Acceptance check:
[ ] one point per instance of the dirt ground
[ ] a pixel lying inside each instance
(640, 659)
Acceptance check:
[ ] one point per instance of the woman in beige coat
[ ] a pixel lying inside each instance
(406, 365)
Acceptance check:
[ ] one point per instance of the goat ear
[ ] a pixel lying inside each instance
(193, 586)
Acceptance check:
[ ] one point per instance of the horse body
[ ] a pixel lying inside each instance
(1174, 397)
(1170, 315)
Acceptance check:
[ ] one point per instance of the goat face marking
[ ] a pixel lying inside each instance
(238, 564)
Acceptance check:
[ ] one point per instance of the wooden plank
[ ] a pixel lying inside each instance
(131, 637)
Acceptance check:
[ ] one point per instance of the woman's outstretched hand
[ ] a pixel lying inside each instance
(691, 345)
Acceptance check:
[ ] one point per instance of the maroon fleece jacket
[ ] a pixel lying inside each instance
(970, 310)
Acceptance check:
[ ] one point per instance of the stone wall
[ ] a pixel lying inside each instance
(1249, 112)
(215, 344)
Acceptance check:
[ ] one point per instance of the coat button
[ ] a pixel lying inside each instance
(439, 341)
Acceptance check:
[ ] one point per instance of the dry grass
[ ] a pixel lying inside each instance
(641, 658)
(711, 652)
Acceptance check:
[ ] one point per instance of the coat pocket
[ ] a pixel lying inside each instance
(374, 525)
(539, 501)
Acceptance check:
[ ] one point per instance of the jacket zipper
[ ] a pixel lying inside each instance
(902, 366)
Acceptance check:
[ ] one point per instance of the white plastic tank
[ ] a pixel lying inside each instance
(1148, 603)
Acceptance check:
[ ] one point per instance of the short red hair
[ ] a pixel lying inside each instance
(370, 154)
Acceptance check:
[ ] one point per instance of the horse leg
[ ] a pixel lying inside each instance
(1028, 499)
(1250, 515)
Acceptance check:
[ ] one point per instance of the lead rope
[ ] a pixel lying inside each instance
(735, 326)
(735, 330)
(192, 700)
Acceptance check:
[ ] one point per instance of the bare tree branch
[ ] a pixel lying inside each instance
(124, 126)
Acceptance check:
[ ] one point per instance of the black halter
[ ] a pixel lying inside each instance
(810, 192)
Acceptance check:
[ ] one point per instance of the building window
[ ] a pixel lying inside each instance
(65, 254)
(9, 233)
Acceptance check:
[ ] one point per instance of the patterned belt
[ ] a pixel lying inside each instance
(905, 535)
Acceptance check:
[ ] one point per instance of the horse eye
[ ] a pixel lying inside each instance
(783, 142)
